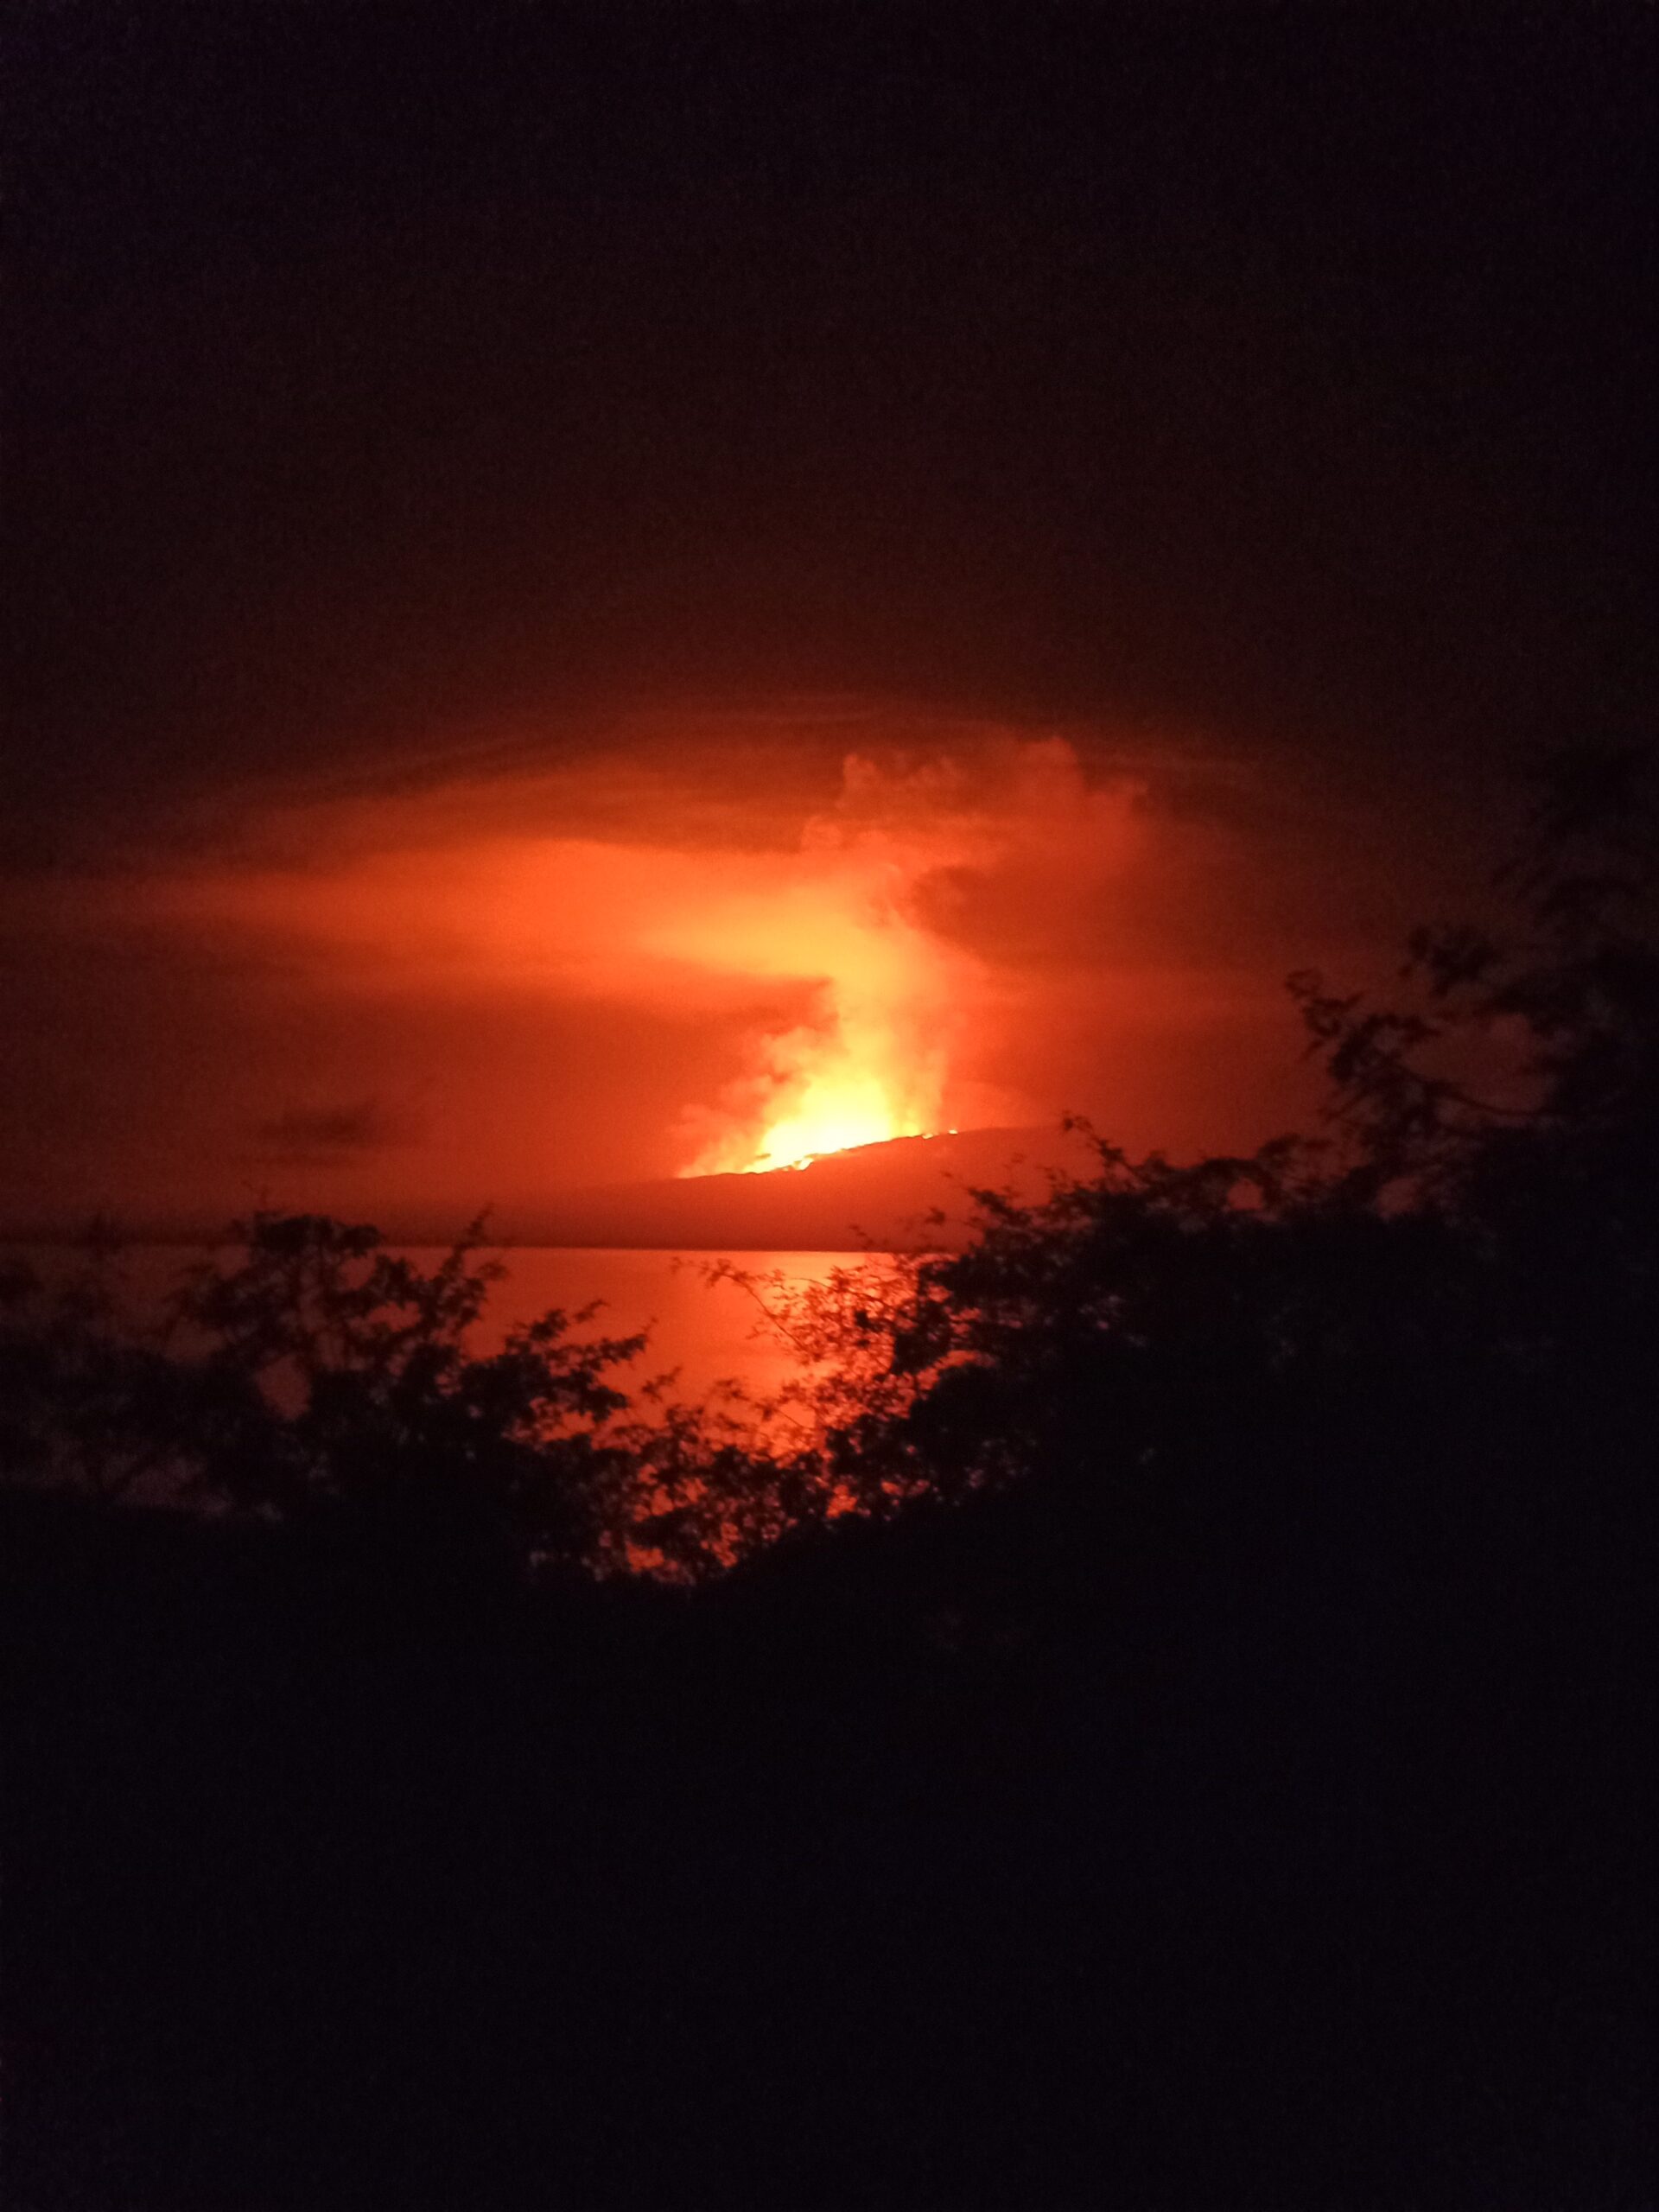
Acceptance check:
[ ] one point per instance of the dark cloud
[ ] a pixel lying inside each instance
(1281, 368)
(318, 1136)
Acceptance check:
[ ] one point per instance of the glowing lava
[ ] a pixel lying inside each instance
(831, 1117)
(824, 1092)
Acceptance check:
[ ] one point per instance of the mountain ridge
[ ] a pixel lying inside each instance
(883, 1195)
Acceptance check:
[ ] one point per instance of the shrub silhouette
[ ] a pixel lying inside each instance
(90, 1399)
(1437, 1247)
(303, 1370)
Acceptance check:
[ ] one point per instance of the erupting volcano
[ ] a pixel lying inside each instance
(830, 1116)
(876, 992)
(820, 1093)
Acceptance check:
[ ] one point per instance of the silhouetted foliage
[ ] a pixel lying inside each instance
(89, 1398)
(1444, 1237)
(305, 1370)
(338, 1375)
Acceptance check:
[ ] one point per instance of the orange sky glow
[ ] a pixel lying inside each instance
(668, 957)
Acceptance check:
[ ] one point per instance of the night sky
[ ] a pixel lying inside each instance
(471, 484)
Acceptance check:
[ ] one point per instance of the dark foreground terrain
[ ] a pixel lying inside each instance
(1238, 1850)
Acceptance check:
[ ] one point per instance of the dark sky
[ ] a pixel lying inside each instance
(440, 451)
(371, 376)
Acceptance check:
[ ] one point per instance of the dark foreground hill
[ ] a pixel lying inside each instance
(1264, 1839)
(882, 1195)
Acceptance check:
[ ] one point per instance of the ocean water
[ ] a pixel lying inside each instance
(709, 1332)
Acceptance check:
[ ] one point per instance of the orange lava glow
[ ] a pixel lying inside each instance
(831, 1107)
(833, 1117)
(868, 1058)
